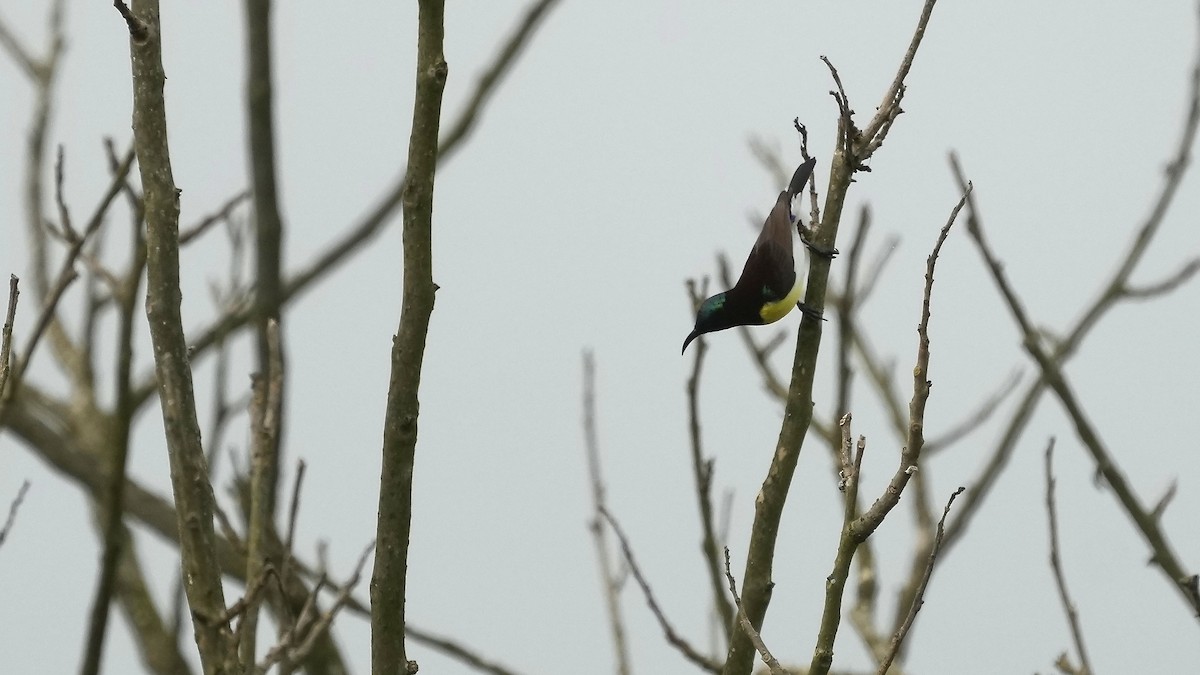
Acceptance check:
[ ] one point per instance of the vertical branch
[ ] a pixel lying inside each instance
(189, 471)
(388, 583)
(702, 471)
(264, 463)
(856, 530)
(852, 150)
(846, 315)
(850, 460)
(757, 583)
(10, 317)
(609, 576)
(1060, 579)
(268, 295)
(112, 505)
(268, 227)
(43, 73)
(261, 150)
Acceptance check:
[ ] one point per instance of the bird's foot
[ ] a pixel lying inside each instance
(810, 312)
(826, 253)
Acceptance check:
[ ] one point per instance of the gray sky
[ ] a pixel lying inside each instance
(611, 166)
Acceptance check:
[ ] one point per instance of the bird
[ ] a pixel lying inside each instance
(768, 287)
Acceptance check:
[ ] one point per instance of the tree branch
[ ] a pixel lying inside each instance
(388, 585)
(189, 472)
(1060, 579)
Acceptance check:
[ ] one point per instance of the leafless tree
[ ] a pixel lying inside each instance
(856, 567)
(86, 434)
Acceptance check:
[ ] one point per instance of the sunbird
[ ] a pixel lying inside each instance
(768, 287)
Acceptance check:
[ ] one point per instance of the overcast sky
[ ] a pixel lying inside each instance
(611, 166)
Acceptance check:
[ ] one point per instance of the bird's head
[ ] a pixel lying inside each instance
(714, 314)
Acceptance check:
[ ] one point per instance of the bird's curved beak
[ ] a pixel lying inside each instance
(691, 336)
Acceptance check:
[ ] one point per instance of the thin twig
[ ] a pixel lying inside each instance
(1173, 281)
(1060, 579)
(295, 646)
(744, 622)
(847, 310)
(885, 115)
(293, 512)
(44, 319)
(919, 598)
(702, 474)
(609, 578)
(12, 511)
(221, 214)
(112, 506)
(976, 418)
(689, 652)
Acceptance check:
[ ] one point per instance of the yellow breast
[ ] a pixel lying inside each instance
(774, 311)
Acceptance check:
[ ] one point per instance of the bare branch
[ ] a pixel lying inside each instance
(33, 421)
(856, 529)
(20, 54)
(265, 407)
(975, 419)
(910, 455)
(702, 474)
(189, 471)
(12, 511)
(221, 214)
(1113, 290)
(10, 318)
(1163, 554)
(886, 114)
(608, 576)
(389, 580)
(1172, 282)
(295, 646)
(919, 598)
(744, 623)
(1060, 579)
(679, 642)
(116, 556)
(293, 512)
(493, 75)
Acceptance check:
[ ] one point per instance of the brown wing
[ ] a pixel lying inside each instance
(770, 270)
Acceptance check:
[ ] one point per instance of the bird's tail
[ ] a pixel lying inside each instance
(800, 178)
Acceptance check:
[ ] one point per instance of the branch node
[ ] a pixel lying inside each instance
(138, 30)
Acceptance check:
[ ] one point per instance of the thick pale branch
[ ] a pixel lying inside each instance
(189, 471)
